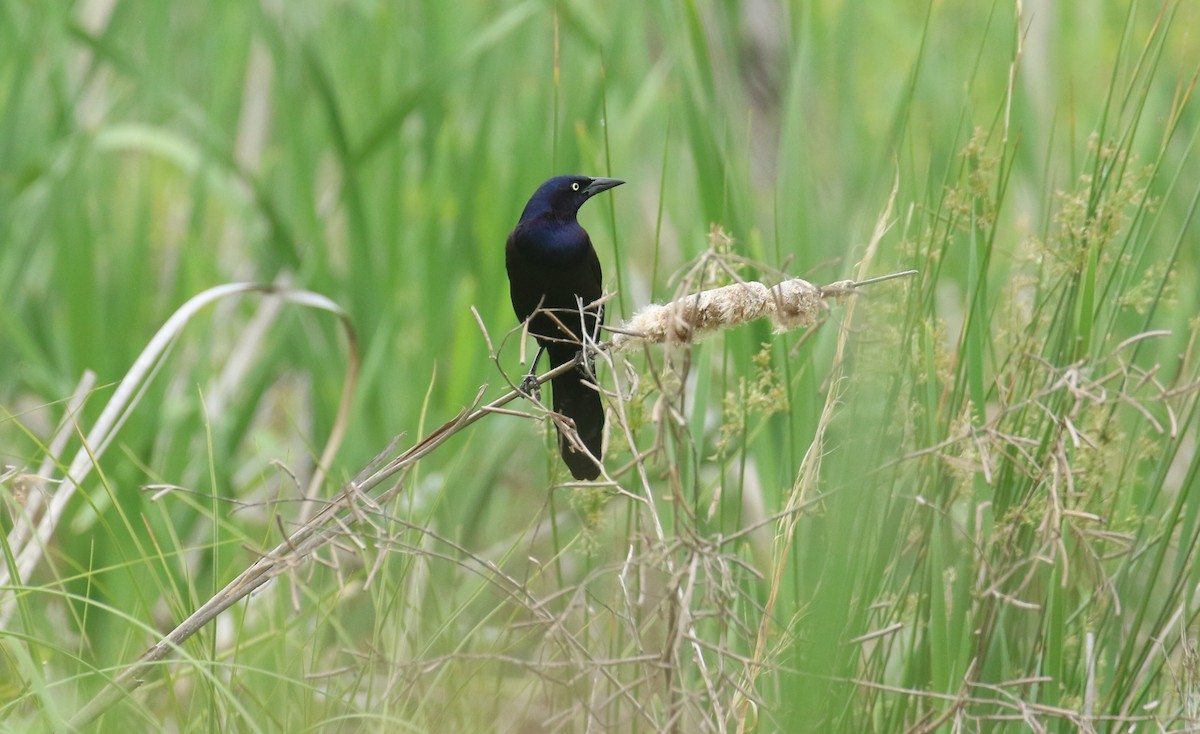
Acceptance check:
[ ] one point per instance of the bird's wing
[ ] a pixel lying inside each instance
(598, 275)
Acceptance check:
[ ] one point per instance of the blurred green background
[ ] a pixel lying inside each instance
(985, 495)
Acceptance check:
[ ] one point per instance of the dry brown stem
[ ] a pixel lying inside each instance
(789, 304)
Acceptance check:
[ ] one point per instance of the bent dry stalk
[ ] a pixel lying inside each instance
(789, 304)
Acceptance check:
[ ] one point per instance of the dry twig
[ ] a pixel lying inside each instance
(789, 304)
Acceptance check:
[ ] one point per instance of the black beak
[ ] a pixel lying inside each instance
(601, 184)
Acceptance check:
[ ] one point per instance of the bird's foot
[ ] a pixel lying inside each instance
(587, 362)
(531, 387)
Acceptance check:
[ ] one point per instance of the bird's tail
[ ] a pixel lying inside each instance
(581, 403)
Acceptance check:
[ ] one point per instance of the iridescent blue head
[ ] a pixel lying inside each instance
(561, 196)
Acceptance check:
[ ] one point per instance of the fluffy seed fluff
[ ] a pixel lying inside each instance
(790, 304)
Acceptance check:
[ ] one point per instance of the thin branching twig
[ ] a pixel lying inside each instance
(791, 302)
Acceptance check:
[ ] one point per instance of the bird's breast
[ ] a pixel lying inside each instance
(550, 244)
(551, 267)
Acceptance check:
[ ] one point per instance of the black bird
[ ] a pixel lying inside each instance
(553, 266)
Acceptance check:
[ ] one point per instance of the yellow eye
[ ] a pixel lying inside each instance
(575, 186)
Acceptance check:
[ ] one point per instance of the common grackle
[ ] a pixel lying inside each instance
(553, 267)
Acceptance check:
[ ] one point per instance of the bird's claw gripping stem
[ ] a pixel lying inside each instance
(530, 387)
(587, 363)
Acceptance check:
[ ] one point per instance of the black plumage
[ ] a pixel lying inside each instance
(553, 266)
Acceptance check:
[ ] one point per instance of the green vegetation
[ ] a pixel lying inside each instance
(964, 502)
